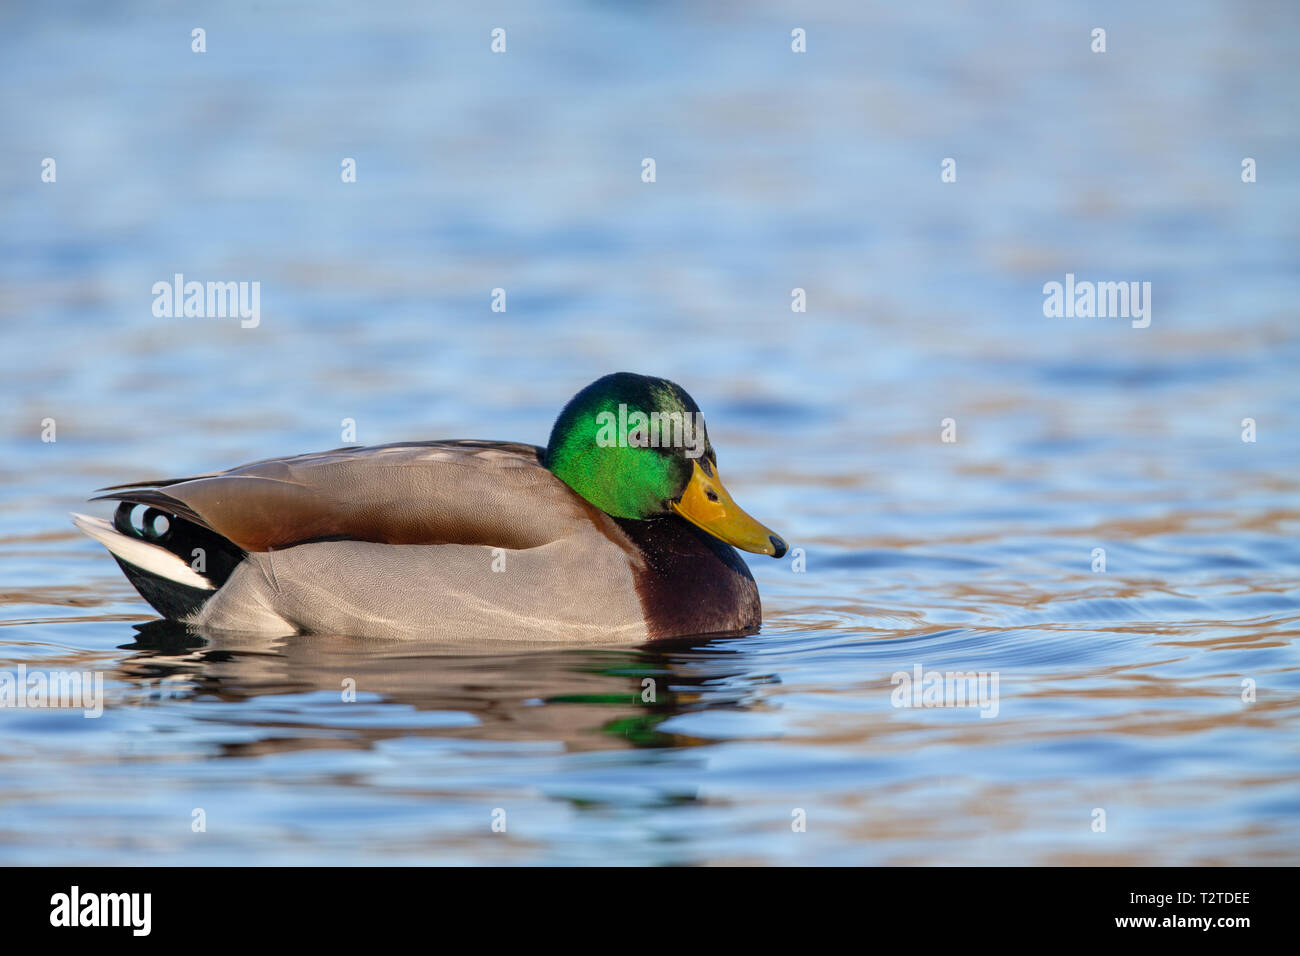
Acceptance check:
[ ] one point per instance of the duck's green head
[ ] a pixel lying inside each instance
(636, 447)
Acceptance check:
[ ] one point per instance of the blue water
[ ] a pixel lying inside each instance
(1119, 690)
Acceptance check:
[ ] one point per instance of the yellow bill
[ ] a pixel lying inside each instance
(706, 504)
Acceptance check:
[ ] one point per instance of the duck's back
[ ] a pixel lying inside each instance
(465, 492)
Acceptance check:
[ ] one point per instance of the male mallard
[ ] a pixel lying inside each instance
(620, 529)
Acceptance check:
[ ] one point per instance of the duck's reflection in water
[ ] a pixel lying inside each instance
(586, 698)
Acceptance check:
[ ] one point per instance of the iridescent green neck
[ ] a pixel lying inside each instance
(601, 464)
(623, 482)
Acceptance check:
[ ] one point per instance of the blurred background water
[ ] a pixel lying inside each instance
(1120, 690)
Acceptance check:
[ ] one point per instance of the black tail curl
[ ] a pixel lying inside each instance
(206, 552)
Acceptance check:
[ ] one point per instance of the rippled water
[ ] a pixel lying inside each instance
(1119, 690)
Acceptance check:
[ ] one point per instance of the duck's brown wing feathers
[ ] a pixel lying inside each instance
(440, 492)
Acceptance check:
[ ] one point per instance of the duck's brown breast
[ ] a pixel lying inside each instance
(690, 582)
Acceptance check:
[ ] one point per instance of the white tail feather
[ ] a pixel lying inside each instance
(142, 554)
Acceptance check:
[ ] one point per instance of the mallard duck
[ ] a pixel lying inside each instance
(619, 530)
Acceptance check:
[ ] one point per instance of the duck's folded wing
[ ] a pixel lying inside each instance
(449, 492)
